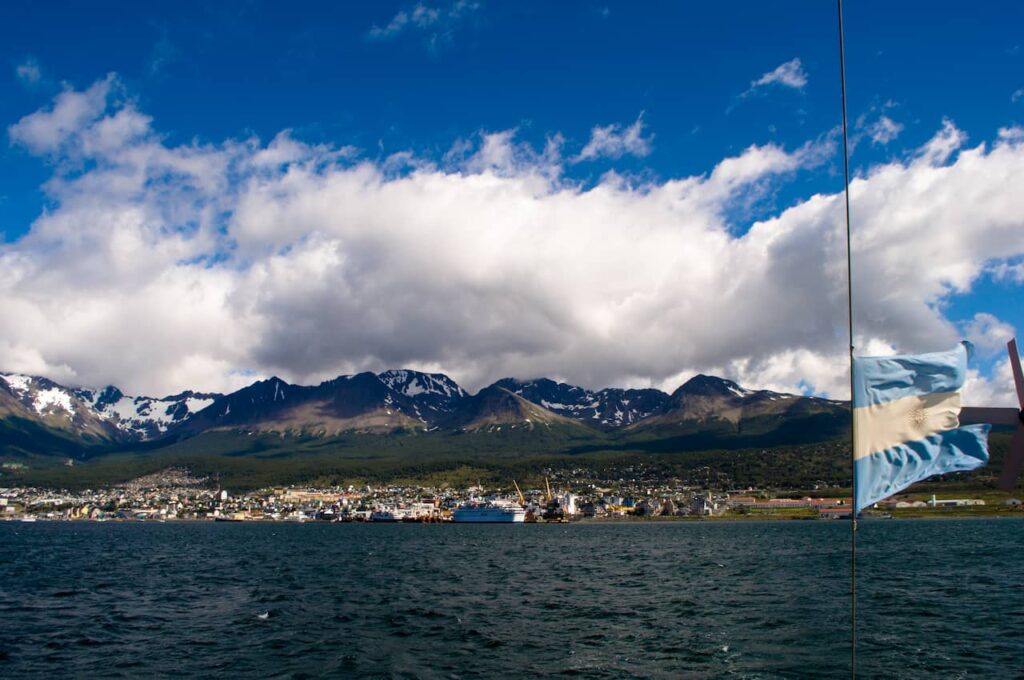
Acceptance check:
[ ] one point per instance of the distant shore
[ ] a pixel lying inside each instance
(943, 515)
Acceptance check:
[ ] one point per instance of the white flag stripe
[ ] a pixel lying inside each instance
(882, 426)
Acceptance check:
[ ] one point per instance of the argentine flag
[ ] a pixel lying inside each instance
(906, 422)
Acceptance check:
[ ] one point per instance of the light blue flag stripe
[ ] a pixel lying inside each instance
(878, 380)
(885, 473)
(908, 397)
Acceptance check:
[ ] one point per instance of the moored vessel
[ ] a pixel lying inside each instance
(496, 511)
(388, 515)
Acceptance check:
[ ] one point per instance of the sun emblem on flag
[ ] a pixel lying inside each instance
(918, 417)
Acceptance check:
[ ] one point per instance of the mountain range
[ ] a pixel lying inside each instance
(39, 416)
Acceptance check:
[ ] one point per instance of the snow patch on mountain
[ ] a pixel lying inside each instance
(42, 396)
(54, 399)
(609, 408)
(136, 417)
(18, 383)
(414, 383)
(195, 404)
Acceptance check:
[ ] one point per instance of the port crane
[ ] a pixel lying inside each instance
(522, 498)
(553, 511)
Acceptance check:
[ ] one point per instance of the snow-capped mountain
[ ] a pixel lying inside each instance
(413, 383)
(106, 412)
(364, 402)
(145, 417)
(401, 400)
(433, 395)
(605, 409)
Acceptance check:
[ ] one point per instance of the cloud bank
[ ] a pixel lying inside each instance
(161, 267)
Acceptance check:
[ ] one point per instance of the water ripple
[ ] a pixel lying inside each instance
(737, 600)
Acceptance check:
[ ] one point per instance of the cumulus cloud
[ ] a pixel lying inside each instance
(435, 23)
(46, 131)
(790, 74)
(161, 267)
(616, 141)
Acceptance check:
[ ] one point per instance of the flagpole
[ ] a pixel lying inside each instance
(849, 320)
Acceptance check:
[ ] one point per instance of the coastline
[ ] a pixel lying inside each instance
(718, 519)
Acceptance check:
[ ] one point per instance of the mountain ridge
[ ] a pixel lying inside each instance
(397, 400)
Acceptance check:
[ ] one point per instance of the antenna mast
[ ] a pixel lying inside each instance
(849, 321)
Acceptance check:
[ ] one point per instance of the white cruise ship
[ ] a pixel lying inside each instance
(388, 515)
(489, 511)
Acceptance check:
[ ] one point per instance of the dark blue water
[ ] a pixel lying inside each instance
(938, 599)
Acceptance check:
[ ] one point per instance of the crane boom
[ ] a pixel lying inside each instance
(522, 498)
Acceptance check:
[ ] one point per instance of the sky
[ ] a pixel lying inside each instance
(199, 195)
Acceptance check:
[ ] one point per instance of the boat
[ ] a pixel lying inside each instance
(496, 511)
(388, 515)
(553, 512)
(558, 509)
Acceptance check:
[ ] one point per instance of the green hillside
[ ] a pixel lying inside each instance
(800, 455)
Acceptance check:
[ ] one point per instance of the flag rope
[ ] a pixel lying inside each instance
(849, 320)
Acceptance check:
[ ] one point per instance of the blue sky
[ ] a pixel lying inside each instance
(657, 91)
(220, 71)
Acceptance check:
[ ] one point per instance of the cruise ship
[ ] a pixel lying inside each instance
(388, 515)
(489, 511)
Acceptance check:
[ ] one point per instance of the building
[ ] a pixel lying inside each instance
(702, 506)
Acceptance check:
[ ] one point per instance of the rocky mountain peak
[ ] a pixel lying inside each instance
(709, 385)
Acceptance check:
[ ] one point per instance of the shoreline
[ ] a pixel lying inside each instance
(583, 521)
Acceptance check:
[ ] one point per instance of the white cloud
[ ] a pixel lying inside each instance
(940, 147)
(1011, 133)
(436, 24)
(988, 334)
(164, 267)
(420, 16)
(29, 71)
(499, 153)
(1012, 272)
(998, 390)
(790, 74)
(1017, 94)
(615, 141)
(72, 111)
(884, 130)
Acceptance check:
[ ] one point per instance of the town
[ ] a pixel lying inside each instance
(175, 494)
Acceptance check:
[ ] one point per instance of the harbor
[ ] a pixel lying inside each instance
(175, 495)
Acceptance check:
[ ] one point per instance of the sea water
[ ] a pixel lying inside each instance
(936, 599)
